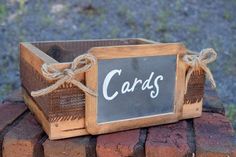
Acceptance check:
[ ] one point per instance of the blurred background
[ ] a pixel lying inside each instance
(197, 23)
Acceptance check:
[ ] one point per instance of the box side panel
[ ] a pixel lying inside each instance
(65, 103)
(195, 89)
(65, 51)
(193, 99)
(31, 80)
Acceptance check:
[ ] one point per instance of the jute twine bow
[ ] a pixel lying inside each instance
(198, 61)
(80, 64)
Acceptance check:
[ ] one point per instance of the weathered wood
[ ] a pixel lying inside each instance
(181, 110)
(131, 51)
(55, 130)
(58, 121)
(62, 121)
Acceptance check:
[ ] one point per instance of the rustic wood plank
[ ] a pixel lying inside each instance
(126, 52)
(137, 50)
(56, 130)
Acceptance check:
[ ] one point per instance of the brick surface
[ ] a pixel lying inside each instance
(139, 148)
(211, 135)
(214, 136)
(120, 144)
(23, 140)
(9, 113)
(168, 140)
(73, 147)
(212, 102)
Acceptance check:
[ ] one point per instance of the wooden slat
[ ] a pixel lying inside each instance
(131, 51)
(55, 130)
(126, 52)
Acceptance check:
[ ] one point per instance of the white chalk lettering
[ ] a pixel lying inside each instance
(125, 87)
(153, 93)
(136, 81)
(151, 84)
(106, 83)
(146, 84)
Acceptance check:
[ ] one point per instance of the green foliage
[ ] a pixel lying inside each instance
(166, 37)
(47, 20)
(3, 12)
(162, 28)
(6, 88)
(91, 10)
(227, 15)
(22, 5)
(178, 5)
(130, 20)
(163, 17)
(114, 32)
(231, 113)
(205, 15)
(122, 10)
(193, 29)
(233, 26)
(128, 16)
(230, 63)
(216, 43)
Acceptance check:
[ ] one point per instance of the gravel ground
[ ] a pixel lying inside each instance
(197, 23)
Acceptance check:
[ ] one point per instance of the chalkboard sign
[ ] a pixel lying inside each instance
(138, 86)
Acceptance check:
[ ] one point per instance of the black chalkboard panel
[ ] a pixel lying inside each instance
(135, 87)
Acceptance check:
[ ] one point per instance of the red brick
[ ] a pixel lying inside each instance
(9, 112)
(167, 140)
(23, 139)
(214, 136)
(139, 148)
(73, 147)
(120, 144)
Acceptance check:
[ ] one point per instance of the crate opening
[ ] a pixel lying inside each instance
(66, 51)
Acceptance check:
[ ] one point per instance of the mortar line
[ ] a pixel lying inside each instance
(139, 148)
(191, 136)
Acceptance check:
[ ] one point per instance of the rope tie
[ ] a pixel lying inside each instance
(79, 65)
(198, 61)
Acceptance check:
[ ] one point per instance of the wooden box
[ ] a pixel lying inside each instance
(62, 112)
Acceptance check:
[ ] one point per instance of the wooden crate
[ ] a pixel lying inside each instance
(59, 120)
(61, 112)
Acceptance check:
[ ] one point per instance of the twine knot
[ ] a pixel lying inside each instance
(79, 65)
(69, 72)
(198, 61)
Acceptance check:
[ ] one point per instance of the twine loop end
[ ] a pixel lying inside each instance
(197, 61)
(80, 64)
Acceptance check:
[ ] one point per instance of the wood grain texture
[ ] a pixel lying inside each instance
(59, 121)
(126, 52)
(137, 50)
(55, 130)
(58, 53)
(34, 56)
